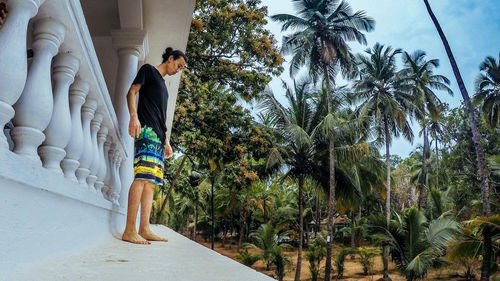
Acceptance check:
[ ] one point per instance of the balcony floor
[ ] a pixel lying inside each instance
(180, 259)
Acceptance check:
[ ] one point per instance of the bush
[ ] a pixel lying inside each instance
(248, 259)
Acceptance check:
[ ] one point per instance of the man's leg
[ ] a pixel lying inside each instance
(134, 198)
(146, 205)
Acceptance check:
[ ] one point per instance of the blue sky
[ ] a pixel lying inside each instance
(472, 29)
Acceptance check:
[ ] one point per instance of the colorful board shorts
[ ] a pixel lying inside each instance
(148, 157)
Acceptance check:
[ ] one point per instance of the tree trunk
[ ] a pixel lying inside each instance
(242, 225)
(437, 164)
(301, 229)
(179, 170)
(422, 193)
(388, 195)
(331, 197)
(352, 235)
(318, 218)
(195, 221)
(212, 212)
(483, 172)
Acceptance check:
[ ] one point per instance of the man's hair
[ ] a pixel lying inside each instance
(171, 52)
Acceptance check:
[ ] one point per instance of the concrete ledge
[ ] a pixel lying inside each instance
(180, 259)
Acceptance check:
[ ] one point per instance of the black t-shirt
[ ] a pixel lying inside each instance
(153, 97)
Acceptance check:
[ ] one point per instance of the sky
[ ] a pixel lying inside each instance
(472, 28)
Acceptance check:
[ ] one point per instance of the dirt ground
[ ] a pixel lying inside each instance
(352, 268)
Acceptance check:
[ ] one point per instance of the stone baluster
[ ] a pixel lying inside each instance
(88, 111)
(106, 169)
(77, 94)
(58, 133)
(95, 125)
(117, 185)
(13, 61)
(101, 168)
(34, 107)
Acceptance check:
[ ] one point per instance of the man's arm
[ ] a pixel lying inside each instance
(134, 126)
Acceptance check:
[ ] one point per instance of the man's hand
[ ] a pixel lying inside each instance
(134, 127)
(168, 150)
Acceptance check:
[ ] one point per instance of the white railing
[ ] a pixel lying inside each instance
(60, 108)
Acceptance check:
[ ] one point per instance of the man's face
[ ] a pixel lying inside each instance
(175, 66)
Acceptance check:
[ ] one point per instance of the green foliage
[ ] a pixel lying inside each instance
(267, 239)
(416, 244)
(228, 43)
(488, 90)
(248, 259)
(340, 258)
(366, 256)
(280, 261)
(316, 252)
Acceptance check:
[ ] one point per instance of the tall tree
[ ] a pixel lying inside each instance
(323, 28)
(488, 90)
(384, 104)
(296, 123)
(419, 76)
(483, 171)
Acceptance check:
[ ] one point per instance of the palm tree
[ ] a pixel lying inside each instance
(436, 132)
(421, 81)
(415, 243)
(296, 124)
(483, 171)
(384, 104)
(488, 90)
(267, 238)
(320, 43)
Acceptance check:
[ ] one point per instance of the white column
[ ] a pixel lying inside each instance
(77, 94)
(13, 61)
(58, 133)
(117, 185)
(101, 172)
(95, 125)
(107, 176)
(131, 45)
(88, 111)
(34, 107)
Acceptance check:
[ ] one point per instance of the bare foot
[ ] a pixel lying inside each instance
(147, 234)
(133, 237)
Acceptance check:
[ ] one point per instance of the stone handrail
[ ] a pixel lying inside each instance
(62, 114)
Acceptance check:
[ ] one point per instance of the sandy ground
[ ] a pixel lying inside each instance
(353, 269)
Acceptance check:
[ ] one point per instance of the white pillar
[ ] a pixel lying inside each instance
(101, 172)
(107, 176)
(77, 94)
(34, 107)
(117, 185)
(131, 46)
(88, 111)
(58, 133)
(13, 61)
(95, 164)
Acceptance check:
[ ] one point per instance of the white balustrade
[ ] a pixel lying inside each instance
(117, 186)
(88, 111)
(102, 168)
(58, 133)
(107, 176)
(13, 61)
(94, 164)
(77, 94)
(34, 107)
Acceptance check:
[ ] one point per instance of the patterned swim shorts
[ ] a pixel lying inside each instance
(148, 157)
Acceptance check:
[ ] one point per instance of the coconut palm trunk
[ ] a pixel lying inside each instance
(422, 193)
(483, 172)
(388, 195)
(301, 228)
(331, 197)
